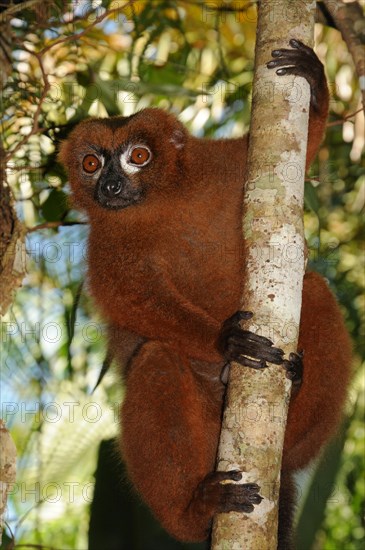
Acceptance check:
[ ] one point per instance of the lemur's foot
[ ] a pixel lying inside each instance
(252, 350)
(227, 497)
(301, 61)
(245, 347)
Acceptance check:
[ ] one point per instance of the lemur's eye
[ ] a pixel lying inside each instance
(90, 164)
(140, 155)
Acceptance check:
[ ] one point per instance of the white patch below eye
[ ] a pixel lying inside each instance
(126, 166)
(126, 162)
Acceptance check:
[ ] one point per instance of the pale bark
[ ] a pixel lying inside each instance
(12, 246)
(11, 274)
(12, 233)
(257, 401)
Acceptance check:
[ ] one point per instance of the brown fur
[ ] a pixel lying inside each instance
(169, 270)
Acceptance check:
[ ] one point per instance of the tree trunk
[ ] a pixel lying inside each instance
(12, 249)
(257, 401)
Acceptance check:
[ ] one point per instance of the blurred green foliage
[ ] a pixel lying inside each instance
(76, 59)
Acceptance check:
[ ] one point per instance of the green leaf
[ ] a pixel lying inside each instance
(311, 197)
(320, 490)
(55, 206)
(107, 96)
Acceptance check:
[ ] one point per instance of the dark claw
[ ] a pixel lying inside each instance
(294, 43)
(280, 72)
(294, 367)
(225, 374)
(273, 64)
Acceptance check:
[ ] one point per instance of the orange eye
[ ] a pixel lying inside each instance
(90, 164)
(140, 155)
